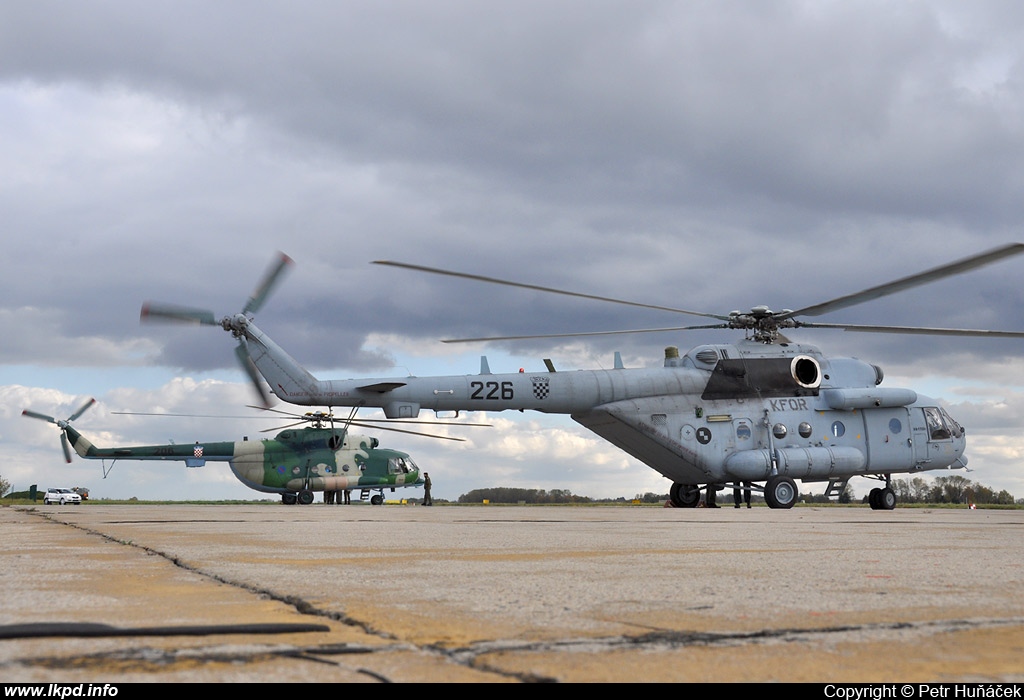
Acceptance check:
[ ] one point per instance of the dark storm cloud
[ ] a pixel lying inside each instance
(637, 150)
(867, 107)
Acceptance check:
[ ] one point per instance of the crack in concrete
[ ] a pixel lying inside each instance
(473, 656)
(299, 604)
(149, 660)
(674, 639)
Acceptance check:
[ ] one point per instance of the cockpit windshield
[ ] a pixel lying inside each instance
(941, 425)
(955, 428)
(400, 465)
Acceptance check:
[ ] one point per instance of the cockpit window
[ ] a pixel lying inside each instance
(400, 465)
(953, 426)
(938, 429)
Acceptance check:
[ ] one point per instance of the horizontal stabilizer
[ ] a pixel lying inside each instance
(382, 387)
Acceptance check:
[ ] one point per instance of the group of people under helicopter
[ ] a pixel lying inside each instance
(738, 495)
(345, 497)
(339, 497)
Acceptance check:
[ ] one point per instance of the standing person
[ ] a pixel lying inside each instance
(709, 496)
(427, 500)
(348, 496)
(746, 494)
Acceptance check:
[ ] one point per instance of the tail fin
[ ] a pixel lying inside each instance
(287, 378)
(81, 444)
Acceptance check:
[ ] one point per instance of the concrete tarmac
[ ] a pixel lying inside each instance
(329, 593)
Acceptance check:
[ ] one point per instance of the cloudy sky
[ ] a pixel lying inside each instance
(704, 155)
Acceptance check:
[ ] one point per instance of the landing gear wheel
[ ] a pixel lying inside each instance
(377, 500)
(684, 495)
(882, 499)
(781, 492)
(288, 499)
(305, 497)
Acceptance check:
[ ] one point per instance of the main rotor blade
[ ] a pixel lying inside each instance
(583, 335)
(282, 427)
(538, 288)
(454, 424)
(182, 314)
(916, 330)
(899, 285)
(185, 415)
(407, 432)
(273, 410)
(360, 424)
(361, 420)
(267, 284)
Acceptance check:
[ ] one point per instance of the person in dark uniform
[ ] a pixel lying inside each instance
(348, 496)
(709, 497)
(746, 494)
(427, 500)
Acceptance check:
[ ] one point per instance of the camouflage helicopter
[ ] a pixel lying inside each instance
(296, 463)
(760, 413)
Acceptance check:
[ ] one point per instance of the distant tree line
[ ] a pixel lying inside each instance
(649, 497)
(948, 489)
(512, 495)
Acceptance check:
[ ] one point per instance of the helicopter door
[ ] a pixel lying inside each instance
(929, 428)
(888, 439)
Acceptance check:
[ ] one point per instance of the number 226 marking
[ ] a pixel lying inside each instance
(492, 391)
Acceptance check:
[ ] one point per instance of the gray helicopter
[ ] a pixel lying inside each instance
(760, 413)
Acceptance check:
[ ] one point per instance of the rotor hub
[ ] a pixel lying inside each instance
(236, 325)
(762, 322)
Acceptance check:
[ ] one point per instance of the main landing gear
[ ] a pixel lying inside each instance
(779, 492)
(302, 497)
(684, 495)
(882, 499)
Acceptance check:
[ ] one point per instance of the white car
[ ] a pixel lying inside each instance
(61, 496)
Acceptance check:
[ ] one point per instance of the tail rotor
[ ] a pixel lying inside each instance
(237, 324)
(62, 424)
